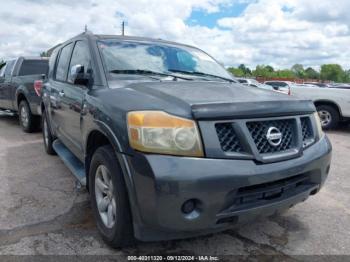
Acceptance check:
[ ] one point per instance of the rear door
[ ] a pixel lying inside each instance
(56, 87)
(72, 100)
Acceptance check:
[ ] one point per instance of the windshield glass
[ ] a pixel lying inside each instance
(157, 57)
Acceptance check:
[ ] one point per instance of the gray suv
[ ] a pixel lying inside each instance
(168, 145)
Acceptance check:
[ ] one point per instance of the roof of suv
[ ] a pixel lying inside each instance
(121, 37)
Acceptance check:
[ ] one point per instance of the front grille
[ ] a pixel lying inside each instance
(227, 137)
(307, 133)
(258, 131)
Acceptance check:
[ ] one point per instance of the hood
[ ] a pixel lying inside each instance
(221, 99)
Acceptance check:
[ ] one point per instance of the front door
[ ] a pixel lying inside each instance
(72, 101)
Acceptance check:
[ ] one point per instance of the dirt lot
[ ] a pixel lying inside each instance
(43, 213)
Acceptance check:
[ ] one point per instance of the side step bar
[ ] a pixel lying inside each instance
(71, 161)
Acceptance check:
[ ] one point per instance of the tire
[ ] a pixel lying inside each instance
(27, 120)
(120, 233)
(329, 116)
(47, 136)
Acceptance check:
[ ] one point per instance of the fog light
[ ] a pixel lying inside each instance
(188, 206)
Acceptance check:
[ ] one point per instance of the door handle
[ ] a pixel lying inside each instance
(61, 93)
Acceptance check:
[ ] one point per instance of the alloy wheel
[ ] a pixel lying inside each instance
(105, 196)
(325, 117)
(24, 116)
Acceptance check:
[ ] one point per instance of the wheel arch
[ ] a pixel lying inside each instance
(329, 103)
(103, 135)
(19, 97)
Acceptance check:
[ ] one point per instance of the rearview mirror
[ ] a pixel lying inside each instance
(77, 75)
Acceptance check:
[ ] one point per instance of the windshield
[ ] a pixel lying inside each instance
(122, 56)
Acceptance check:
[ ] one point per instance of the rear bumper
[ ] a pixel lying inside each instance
(226, 192)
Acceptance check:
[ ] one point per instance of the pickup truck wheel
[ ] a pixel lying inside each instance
(27, 121)
(109, 199)
(329, 116)
(47, 136)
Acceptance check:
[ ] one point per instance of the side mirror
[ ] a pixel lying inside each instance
(77, 75)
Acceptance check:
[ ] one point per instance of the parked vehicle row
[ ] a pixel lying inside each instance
(21, 81)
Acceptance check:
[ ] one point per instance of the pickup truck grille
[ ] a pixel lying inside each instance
(228, 138)
(249, 138)
(307, 133)
(259, 129)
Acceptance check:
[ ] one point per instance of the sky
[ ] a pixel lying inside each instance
(280, 33)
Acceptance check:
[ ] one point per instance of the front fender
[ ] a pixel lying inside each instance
(107, 131)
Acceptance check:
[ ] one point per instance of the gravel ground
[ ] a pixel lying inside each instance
(43, 213)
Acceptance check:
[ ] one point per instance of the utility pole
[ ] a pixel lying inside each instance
(123, 28)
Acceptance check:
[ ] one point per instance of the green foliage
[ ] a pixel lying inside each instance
(330, 72)
(44, 54)
(298, 71)
(311, 73)
(241, 71)
(333, 72)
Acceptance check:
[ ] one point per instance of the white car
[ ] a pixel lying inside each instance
(282, 86)
(254, 83)
(332, 104)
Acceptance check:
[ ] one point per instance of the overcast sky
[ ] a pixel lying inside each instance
(276, 32)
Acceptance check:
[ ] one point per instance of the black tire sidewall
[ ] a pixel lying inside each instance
(29, 128)
(48, 147)
(120, 231)
(334, 114)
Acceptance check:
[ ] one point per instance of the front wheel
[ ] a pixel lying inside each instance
(109, 199)
(329, 116)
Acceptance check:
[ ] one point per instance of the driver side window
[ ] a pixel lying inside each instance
(80, 56)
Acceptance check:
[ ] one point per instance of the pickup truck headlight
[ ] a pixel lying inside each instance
(319, 130)
(161, 133)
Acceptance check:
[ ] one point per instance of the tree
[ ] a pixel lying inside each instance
(263, 71)
(332, 72)
(236, 71)
(245, 70)
(44, 54)
(311, 73)
(269, 69)
(285, 73)
(298, 70)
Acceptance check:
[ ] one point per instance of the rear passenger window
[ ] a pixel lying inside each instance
(2, 70)
(9, 68)
(80, 56)
(63, 62)
(33, 67)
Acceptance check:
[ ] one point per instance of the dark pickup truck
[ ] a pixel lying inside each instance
(21, 81)
(169, 145)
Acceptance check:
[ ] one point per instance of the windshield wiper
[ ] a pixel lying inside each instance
(145, 72)
(200, 74)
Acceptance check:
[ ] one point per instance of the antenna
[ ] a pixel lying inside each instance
(85, 29)
(123, 28)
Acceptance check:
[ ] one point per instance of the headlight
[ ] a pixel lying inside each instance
(161, 133)
(319, 130)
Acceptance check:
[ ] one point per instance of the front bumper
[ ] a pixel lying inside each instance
(226, 192)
